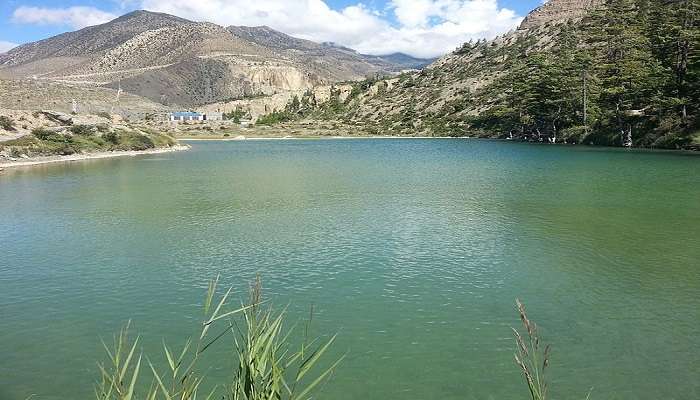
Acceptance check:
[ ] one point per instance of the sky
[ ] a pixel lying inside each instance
(421, 28)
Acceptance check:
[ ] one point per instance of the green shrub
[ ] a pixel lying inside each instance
(43, 133)
(66, 149)
(7, 123)
(574, 134)
(274, 117)
(103, 114)
(235, 115)
(160, 140)
(111, 137)
(136, 142)
(82, 130)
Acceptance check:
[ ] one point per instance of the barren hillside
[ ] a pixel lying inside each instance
(174, 61)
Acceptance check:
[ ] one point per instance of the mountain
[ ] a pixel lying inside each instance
(608, 72)
(344, 63)
(307, 50)
(404, 61)
(174, 61)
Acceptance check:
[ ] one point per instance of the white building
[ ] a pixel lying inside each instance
(185, 116)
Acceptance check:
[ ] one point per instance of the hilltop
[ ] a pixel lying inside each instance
(176, 62)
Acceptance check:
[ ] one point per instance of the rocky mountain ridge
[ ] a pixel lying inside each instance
(174, 61)
(557, 11)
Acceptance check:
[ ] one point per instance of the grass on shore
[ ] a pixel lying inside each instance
(84, 139)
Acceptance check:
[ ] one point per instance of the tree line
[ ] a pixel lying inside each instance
(627, 74)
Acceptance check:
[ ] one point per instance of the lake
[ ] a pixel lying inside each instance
(412, 250)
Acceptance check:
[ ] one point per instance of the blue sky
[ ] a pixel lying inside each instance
(418, 27)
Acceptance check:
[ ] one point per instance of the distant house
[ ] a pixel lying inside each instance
(185, 116)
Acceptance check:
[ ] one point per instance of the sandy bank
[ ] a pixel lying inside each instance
(88, 156)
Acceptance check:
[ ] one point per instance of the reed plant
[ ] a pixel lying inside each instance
(268, 367)
(532, 359)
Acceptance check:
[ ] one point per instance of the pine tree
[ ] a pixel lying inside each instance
(675, 35)
(624, 63)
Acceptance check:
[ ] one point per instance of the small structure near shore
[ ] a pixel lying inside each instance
(183, 116)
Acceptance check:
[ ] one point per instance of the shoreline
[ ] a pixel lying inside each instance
(195, 139)
(29, 162)
(689, 151)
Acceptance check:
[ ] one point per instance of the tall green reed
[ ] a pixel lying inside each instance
(267, 369)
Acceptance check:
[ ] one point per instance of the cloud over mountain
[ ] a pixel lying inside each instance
(75, 17)
(421, 28)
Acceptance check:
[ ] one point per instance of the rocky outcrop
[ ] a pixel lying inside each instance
(58, 117)
(558, 11)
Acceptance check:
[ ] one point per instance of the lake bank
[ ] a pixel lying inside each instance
(41, 160)
(240, 139)
(195, 139)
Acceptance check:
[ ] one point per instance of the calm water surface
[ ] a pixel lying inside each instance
(413, 250)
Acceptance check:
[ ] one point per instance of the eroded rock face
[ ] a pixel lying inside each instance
(557, 11)
(270, 78)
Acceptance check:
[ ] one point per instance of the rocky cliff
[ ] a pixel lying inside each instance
(558, 11)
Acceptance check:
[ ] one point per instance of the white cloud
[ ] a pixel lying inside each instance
(75, 17)
(423, 28)
(6, 46)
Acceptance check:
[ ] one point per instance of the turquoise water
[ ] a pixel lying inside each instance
(412, 250)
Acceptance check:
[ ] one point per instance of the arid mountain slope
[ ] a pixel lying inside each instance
(442, 93)
(171, 60)
(606, 72)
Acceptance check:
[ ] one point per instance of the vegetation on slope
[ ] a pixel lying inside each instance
(84, 139)
(626, 74)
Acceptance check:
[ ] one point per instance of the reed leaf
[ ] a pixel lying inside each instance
(267, 367)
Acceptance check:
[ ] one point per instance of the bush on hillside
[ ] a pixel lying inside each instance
(7, 123)
(82, 130)
(273, 118)
(111, 137)
(43, 133)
